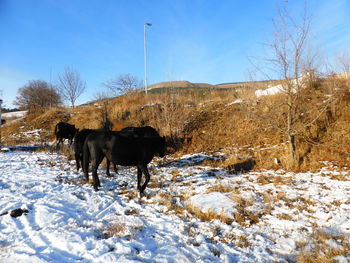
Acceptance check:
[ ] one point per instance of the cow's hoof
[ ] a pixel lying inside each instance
(142, 194)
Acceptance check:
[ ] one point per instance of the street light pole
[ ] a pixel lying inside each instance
(145, 53)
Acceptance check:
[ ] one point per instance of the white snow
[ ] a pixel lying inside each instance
(213, 202)
(238, 101)
(271, 90)
(13, 115)
(69, 222)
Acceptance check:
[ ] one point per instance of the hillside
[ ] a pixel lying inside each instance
(178, 84)
(185, 85)
(217, 120)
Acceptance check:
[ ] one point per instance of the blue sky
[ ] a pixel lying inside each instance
(195, 40)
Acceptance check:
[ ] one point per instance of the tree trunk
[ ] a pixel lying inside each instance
(292, 144)
(293, 153)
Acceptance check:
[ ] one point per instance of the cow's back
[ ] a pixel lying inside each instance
(145, 131)
(123, 149)
(126, 150)
(79, 139)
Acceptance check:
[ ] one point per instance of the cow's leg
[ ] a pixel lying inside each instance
(147, 177)
(115, 168)
(77, 160)
(139, 177)
(95, 162)
(86, 173)
(96, 181)
(86, 162)
(108, 163)
(60, 142)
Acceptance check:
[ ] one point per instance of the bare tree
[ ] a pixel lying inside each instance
(70, 85)
(291, 60)
(124, 83)
(37, 94)
(343, 61)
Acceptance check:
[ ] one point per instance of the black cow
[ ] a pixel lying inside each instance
(78, 144)
(123, 150)
(80, 137)
(63, 131)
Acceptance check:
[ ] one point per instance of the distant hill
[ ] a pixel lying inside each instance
(179, 84)
(184, 84)
(201, 88)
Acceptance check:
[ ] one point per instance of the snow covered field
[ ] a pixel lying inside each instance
(191, 213)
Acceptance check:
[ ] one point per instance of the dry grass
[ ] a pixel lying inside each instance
(317, 248)
(276, 180)
(122, 229)
(208, 215)
(300, 203)
(116, 230)
(223, 188)
(175, 176)
(200, 122)
(285, 217)
(244, 216)
(171, 203)
(340, 177)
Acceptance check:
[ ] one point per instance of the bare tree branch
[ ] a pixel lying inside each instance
(71, 85)
(124, 83)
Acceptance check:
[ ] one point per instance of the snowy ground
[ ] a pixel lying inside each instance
(191, 213)
(13, 115)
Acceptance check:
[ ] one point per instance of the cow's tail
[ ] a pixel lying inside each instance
(86, 160)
